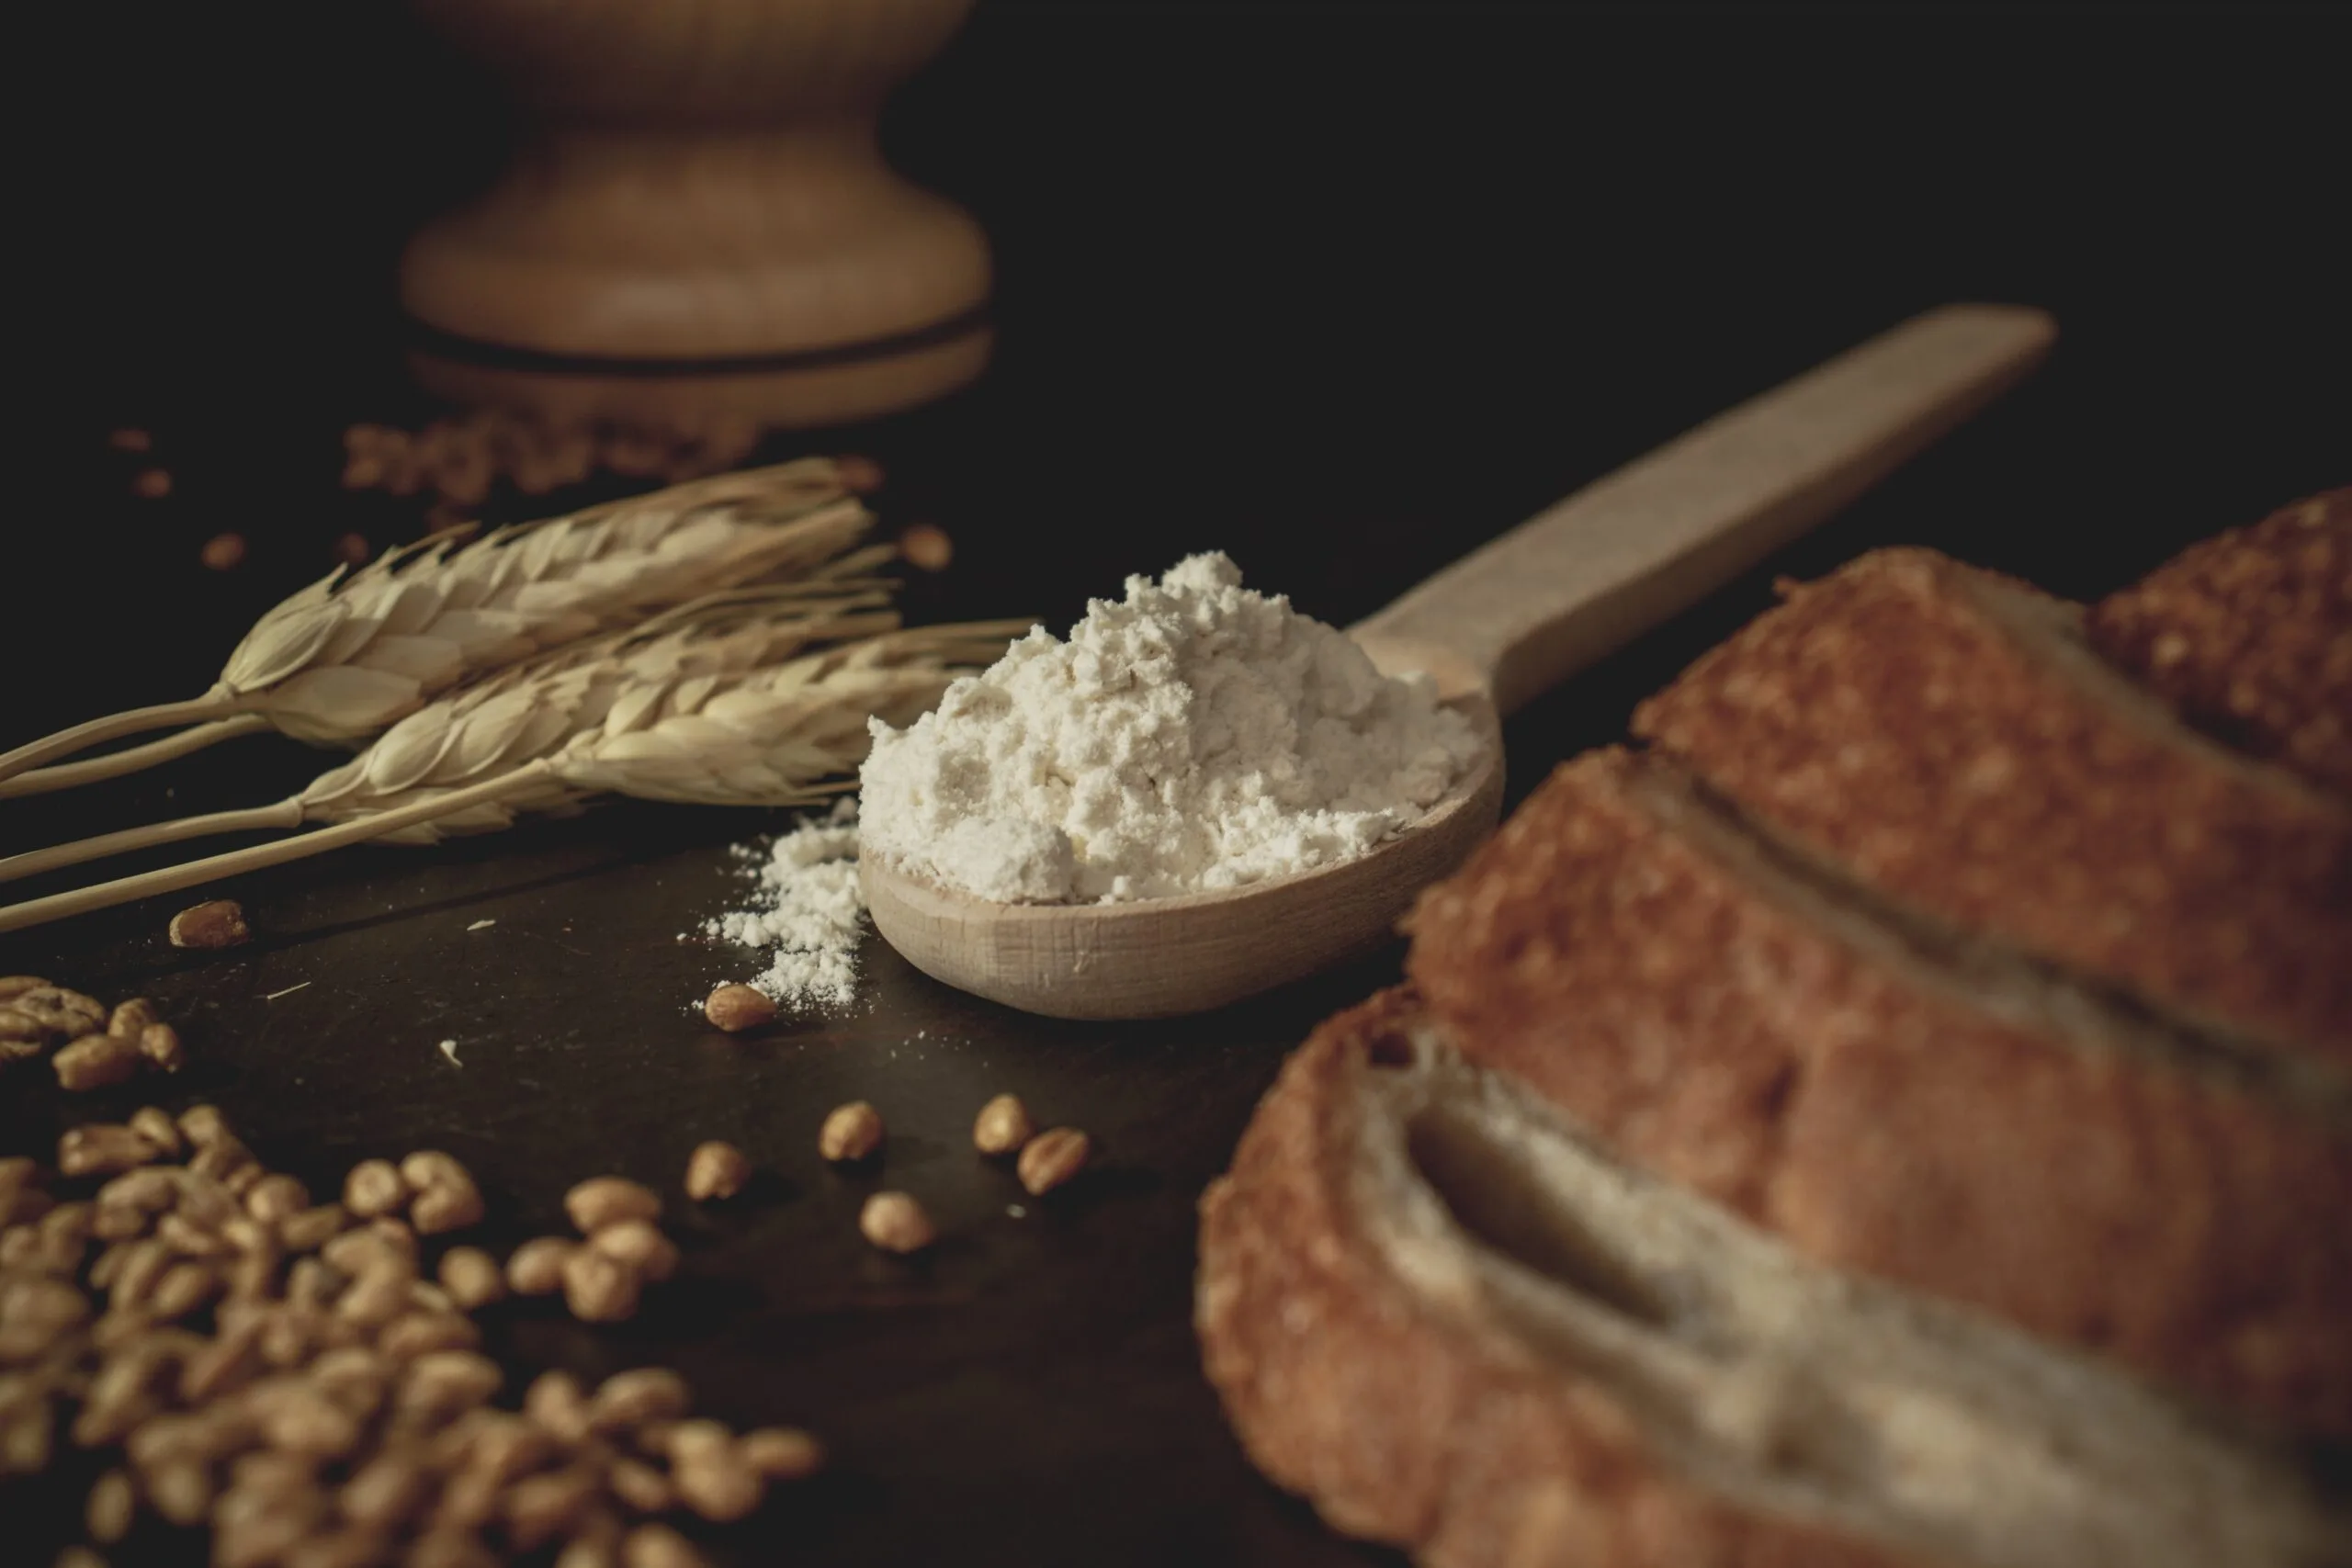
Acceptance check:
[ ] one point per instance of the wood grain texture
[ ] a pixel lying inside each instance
(701, 182)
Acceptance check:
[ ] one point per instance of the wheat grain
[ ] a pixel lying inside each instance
(352, 653)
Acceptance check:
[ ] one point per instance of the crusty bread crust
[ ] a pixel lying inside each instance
(2248, 636)
(1399, 1424)
(1942, 735)
(2166, 1215)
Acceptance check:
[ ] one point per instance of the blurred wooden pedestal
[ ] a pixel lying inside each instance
(699, 222)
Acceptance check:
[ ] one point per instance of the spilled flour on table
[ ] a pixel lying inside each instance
(808, 908)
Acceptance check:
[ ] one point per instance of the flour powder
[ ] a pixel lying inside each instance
(808, 910)
(1192, 736)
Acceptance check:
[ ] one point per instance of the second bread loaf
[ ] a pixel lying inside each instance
(1945, 735)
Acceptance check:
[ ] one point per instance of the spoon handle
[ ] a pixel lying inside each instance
(1590, 572)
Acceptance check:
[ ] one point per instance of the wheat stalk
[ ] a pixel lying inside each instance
(711, 713)
(350, 655)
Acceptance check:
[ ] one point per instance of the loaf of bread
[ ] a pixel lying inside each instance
(1433, 1307)
(2248, 636)
(1945, 737)
(1896, 1099)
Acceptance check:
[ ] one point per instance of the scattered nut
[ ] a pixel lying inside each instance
(216, 923)
(542, 1508)
(96, 1061)
(373, 1187)
(640, 1245)
(449, 1381)
(1002, 1126)
(599, 1288)
(896, 1223)
(203, 1127)
(659, 1546)
(385, 1492)
(716, 1170)
(640, 1488)
(1052, 1158)
(102, 1150)
(129, 1018)
(160, 1044)
(535, 1268)
(154, 1124)
(154, 484)
(441, 1209)
(716, 1482)
(601, 1199)
(274, 1198)
(313, 1228)
(735, 1007)
(851, 1132)
(782, 1453)
(472, 1277)
(862, 476)
(59, 1009)
(556, 1401)
(627, 1400)
(109, 1512)
(595, 1541)
(927, 547)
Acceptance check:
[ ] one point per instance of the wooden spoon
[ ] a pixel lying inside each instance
(1494, 628)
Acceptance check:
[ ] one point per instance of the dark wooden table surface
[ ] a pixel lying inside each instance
(1341, 290)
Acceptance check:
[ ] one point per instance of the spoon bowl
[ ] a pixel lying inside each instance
(1161, 957)
(1494, 630)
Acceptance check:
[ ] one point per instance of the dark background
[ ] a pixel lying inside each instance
(1340, 288)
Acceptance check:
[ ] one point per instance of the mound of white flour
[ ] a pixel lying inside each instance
(1194, 735)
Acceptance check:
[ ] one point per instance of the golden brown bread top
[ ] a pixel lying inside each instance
(1954, 1122)
(2248, 634)
(1942, 736)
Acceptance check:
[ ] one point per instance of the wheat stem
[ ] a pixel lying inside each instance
(114, 764)
(286, 813)
(215, 704)
(172, 878)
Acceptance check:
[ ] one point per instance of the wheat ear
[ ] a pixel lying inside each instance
(526, 712)
(678, 729)
(338, 662)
